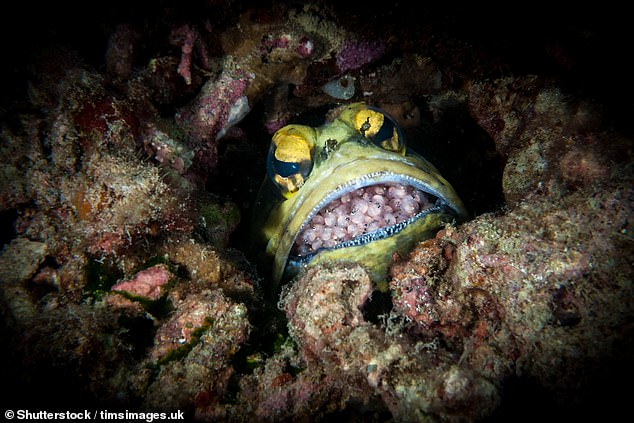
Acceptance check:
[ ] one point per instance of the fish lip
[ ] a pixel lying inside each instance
(381, 233)
(376, 235)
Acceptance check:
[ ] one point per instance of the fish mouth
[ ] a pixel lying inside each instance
(370, 208)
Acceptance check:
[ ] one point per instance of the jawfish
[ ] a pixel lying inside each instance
(348, 191)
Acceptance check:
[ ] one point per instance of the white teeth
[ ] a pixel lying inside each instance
(361, 211)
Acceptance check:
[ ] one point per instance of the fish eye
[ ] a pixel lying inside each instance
(290, 158)
(377, 126)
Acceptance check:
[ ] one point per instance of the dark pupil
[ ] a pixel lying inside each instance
(386, 132)
(285, 169)
(366, 125)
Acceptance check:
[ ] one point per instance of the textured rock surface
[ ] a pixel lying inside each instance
(129, 158)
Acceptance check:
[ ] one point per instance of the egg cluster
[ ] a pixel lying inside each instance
(359, 212)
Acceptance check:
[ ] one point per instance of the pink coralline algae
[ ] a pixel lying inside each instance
(131, 154)
(196, 310)
(147, 283)
(187, 46)
(361, 361)
(306, 47)
(322, 313)
(166, 150)
(271, 42)
(188, 38)
(194, 348)
(220, 103)
(355, 54)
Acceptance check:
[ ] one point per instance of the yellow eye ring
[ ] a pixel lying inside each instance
(375, 125)
(291, 157)
(368, 122)
(291, 148)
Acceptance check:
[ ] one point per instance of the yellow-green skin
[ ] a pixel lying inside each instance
(353, 160)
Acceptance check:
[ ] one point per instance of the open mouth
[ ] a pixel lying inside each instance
(363, 215)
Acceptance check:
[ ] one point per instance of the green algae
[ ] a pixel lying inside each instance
(183, 350)
(100, 277)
